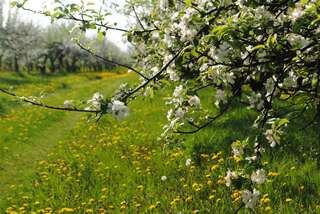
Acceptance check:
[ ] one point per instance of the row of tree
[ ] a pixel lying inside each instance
(25, 46)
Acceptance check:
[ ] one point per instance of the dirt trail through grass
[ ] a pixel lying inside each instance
(19, 163)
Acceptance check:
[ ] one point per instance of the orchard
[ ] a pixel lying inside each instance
(215, 56)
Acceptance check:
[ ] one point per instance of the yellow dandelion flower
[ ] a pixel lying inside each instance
(273, 174)
(265, 200)
(215, 167)
(63, 210)
(152, 206)
(221, 181)
(137, 205)
(267, 209)
(101, 211)
(175, 201)
(235, 194)
(221, 160)
(205, 156)
(288, 200)
(189, 199)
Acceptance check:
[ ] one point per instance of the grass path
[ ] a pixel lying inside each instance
(18, 164)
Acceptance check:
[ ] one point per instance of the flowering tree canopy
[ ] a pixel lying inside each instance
(262, 54)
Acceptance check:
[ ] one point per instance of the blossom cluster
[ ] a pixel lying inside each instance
(253, 53)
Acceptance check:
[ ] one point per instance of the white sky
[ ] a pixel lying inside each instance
(114, 36)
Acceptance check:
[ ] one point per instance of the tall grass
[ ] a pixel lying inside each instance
(119, 166)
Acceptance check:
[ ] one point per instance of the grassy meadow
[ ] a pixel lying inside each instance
(58, 162)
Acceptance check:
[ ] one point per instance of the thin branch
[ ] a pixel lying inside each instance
(45, 105)
(137, 17)
(71, 17)
(110, 61)
(144, 84)
(211, 120)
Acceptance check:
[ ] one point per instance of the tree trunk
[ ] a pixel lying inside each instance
(1, 56)
(52, 67)
(16, 65)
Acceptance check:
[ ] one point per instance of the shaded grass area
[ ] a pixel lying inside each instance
(116, 166)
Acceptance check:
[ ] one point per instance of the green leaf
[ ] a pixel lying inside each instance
(282, 122)
(188, 3)
(272, 40)
(258, 47)
(101, 35)
(284, 96)
(220, 31)
(13, 4)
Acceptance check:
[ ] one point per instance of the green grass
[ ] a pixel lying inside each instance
(55, 160)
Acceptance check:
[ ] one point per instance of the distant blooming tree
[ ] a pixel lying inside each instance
(263, 54)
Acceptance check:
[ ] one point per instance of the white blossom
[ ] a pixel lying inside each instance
(163, 4)
(204, 67)
(269, 86)
(256, 100)
(170, 114)
(96, 101)
(178, 91)
(68, 104)
(290, 81)
(259, 176)
(168, 40)
(270, 138)
(173, 75)
(222, 53)
(194, 101)
(220, 97)
(164, 178)
(188, 162)
(119, 109)
(180, 113)
(226, 3)
(237, 150)
(167, 58)
(251, 159)
(297, 41)
(249, 198)
(154, 70)
(230, 175)
(155, 35)
(188, 31)
(296, 13)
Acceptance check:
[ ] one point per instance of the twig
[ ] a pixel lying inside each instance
(47, 106)
(144, 84)
(139, 21)
(110, 61)
(211, 120)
